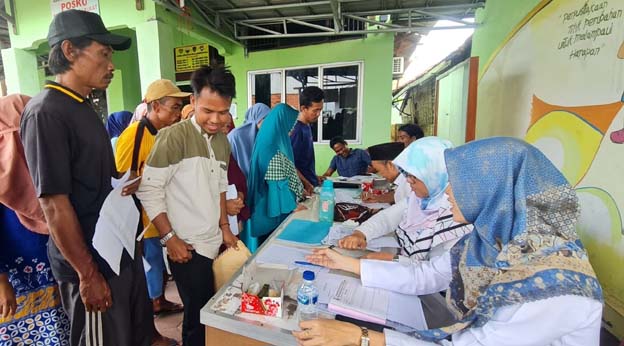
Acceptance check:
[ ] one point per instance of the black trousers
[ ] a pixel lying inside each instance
(195, 281)
(128, 322)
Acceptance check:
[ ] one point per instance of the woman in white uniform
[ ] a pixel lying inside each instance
(423, 221)
(521, 277)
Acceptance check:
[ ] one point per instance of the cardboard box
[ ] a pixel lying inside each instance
(277, 277)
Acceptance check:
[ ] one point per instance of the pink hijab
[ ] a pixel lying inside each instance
(17, 191)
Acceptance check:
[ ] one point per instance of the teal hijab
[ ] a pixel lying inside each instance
(272, 139)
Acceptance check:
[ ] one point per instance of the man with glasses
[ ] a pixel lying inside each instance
(164, 103)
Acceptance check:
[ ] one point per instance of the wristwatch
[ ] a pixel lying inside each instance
(364, 339)
(166, 237)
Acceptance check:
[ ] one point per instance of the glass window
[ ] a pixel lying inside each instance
(340, 112)
(266, 87)
(342, 89)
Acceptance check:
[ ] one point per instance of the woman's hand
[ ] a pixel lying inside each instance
(333, 260)
(381, 256)
(355, 241)
(328, 333)
(8, 302)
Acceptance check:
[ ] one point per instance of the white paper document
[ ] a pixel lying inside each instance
(363, 303)
(280, 254)
(232, 193)
(406, 310)
(117, 225)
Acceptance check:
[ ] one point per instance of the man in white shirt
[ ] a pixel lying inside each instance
(183, 192)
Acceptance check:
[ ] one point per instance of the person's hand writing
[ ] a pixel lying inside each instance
(178, 250)
(94, 292)
(333, 260)
(8, 303)
(327, 333)
(229, 239)
(355, 241)
(234, 206)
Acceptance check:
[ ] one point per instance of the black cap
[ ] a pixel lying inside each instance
(386, 151)
(76, 23)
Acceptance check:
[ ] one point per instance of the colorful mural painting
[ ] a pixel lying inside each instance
(562, 73)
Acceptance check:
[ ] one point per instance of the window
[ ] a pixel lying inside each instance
(342, 112)
(266, 87)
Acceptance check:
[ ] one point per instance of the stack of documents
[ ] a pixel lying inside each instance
(305, 232)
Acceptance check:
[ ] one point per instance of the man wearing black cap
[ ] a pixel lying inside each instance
(71, 163)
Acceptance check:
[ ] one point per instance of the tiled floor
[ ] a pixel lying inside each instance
(170, 325)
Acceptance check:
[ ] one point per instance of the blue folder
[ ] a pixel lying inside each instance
(307, 232)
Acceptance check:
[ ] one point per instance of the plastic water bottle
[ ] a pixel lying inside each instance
(327, 202)
(307, 298)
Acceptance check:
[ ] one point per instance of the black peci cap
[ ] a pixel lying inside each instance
(385, 151)
(76, 23)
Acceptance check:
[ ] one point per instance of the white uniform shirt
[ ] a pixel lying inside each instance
(564, 320)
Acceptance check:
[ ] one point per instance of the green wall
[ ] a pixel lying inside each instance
(497, 20)
(376, 53)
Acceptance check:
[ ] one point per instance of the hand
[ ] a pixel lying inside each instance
(321, 178)
(178, 250)
(368, 197)
(381, 256)
(8, 303)
(300, 207)
(333, 260)
(131, 188)
(229, 239)
(95, 293)
(355, 241)
(308, 189)
(234, 206)
(328, 333)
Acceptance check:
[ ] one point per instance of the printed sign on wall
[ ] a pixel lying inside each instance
(190, 58)
(59, 6)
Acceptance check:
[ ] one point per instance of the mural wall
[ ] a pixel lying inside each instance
(558, 81)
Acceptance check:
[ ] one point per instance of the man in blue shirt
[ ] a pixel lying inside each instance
(349, 162)
(310, 107)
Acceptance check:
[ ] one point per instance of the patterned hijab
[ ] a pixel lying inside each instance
(524, 246)
(16, 188)
(242, 139)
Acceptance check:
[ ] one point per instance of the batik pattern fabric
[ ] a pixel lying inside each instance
(524, 246)
(40, 319)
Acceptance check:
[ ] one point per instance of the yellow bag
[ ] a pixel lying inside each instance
(228, 262)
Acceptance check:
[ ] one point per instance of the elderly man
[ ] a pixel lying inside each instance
(164, 102)
(70, 159)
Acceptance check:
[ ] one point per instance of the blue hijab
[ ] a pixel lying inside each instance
(243, 137)
(117, 123)
(272, 138)
(524, 246)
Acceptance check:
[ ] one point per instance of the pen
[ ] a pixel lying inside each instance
(307, 264)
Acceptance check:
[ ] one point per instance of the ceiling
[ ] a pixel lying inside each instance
(269, 24)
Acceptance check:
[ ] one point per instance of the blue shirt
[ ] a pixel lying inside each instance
(303, 149)
(356, 163)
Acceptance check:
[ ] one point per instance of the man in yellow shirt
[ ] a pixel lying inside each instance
(164, 103)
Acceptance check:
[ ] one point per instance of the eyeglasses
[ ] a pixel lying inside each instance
(176, 108)
(403, 172)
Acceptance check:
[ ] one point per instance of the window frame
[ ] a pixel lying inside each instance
(321, 69)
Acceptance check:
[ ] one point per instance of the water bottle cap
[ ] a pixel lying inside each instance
(308, 275)
(328, 183)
